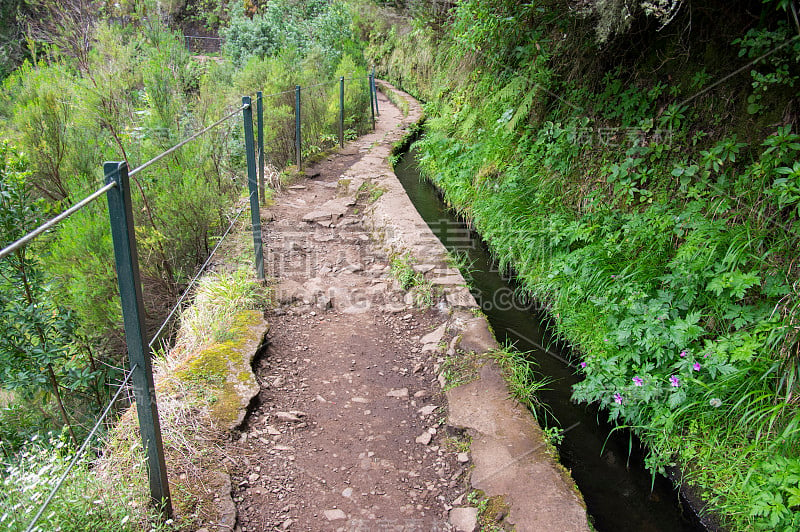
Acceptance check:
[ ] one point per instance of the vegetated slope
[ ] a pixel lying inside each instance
(643, 181)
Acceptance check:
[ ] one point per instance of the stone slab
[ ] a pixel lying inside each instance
(511, 459)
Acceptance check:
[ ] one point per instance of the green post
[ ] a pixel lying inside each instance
(371, 99)
(297, 140)
(341, 112)
(120, 213)
(260, 118)
(375, 93)
(255, 213)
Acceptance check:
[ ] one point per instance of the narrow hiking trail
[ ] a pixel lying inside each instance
(349, 431)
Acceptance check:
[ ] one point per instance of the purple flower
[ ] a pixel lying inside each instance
(583, 364)
(696, 366)
(683, 353)
(618, 398)
(674, 381)
(638, 381)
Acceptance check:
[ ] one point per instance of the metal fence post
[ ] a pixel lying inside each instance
(260, 119)
(341, 112)
(371, 99)
(255, 213)
(375, 93)
(120, 213)
(297, 139)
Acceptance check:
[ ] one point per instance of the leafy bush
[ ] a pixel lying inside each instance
(299, 26)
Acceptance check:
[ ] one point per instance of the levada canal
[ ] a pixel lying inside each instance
(607, 465)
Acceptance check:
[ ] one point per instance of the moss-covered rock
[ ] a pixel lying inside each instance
(223, 370)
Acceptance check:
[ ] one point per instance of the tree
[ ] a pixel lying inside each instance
(37, 337)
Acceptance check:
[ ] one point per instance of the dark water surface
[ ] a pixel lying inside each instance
(613, 481)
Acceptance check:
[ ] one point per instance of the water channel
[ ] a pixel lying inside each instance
(607, 465)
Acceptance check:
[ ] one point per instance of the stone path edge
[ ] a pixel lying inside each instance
(508, 450)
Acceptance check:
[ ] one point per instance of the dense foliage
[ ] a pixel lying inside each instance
(651, 199)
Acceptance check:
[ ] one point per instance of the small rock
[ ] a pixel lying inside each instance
(434, 337)
(442, 380)
(283, 448)
(298, 413)
(427, 410)
(362, 400)
(277, 382)
(463, 457)
(272, 431)
(347, 492)
(320, 399)
(324, 302)
(399, 393)
(421, 394)
(424, 438)
(464, 519)
(286, 524)
(337, 514)
(253, 477)
(418, 367)
(354, 268)
(286, 416)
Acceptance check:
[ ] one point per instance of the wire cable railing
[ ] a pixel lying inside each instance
(8, 250)
(183, 143)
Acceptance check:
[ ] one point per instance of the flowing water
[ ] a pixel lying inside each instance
(607, 465)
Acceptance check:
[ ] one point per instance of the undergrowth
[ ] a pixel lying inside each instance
(422, 289)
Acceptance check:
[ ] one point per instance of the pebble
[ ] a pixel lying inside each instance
(335, 515)
(424, 438)
(399, 393)
(427, 410)
(286, 416)
(464, 519)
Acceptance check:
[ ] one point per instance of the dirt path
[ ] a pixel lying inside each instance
(349, 433)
